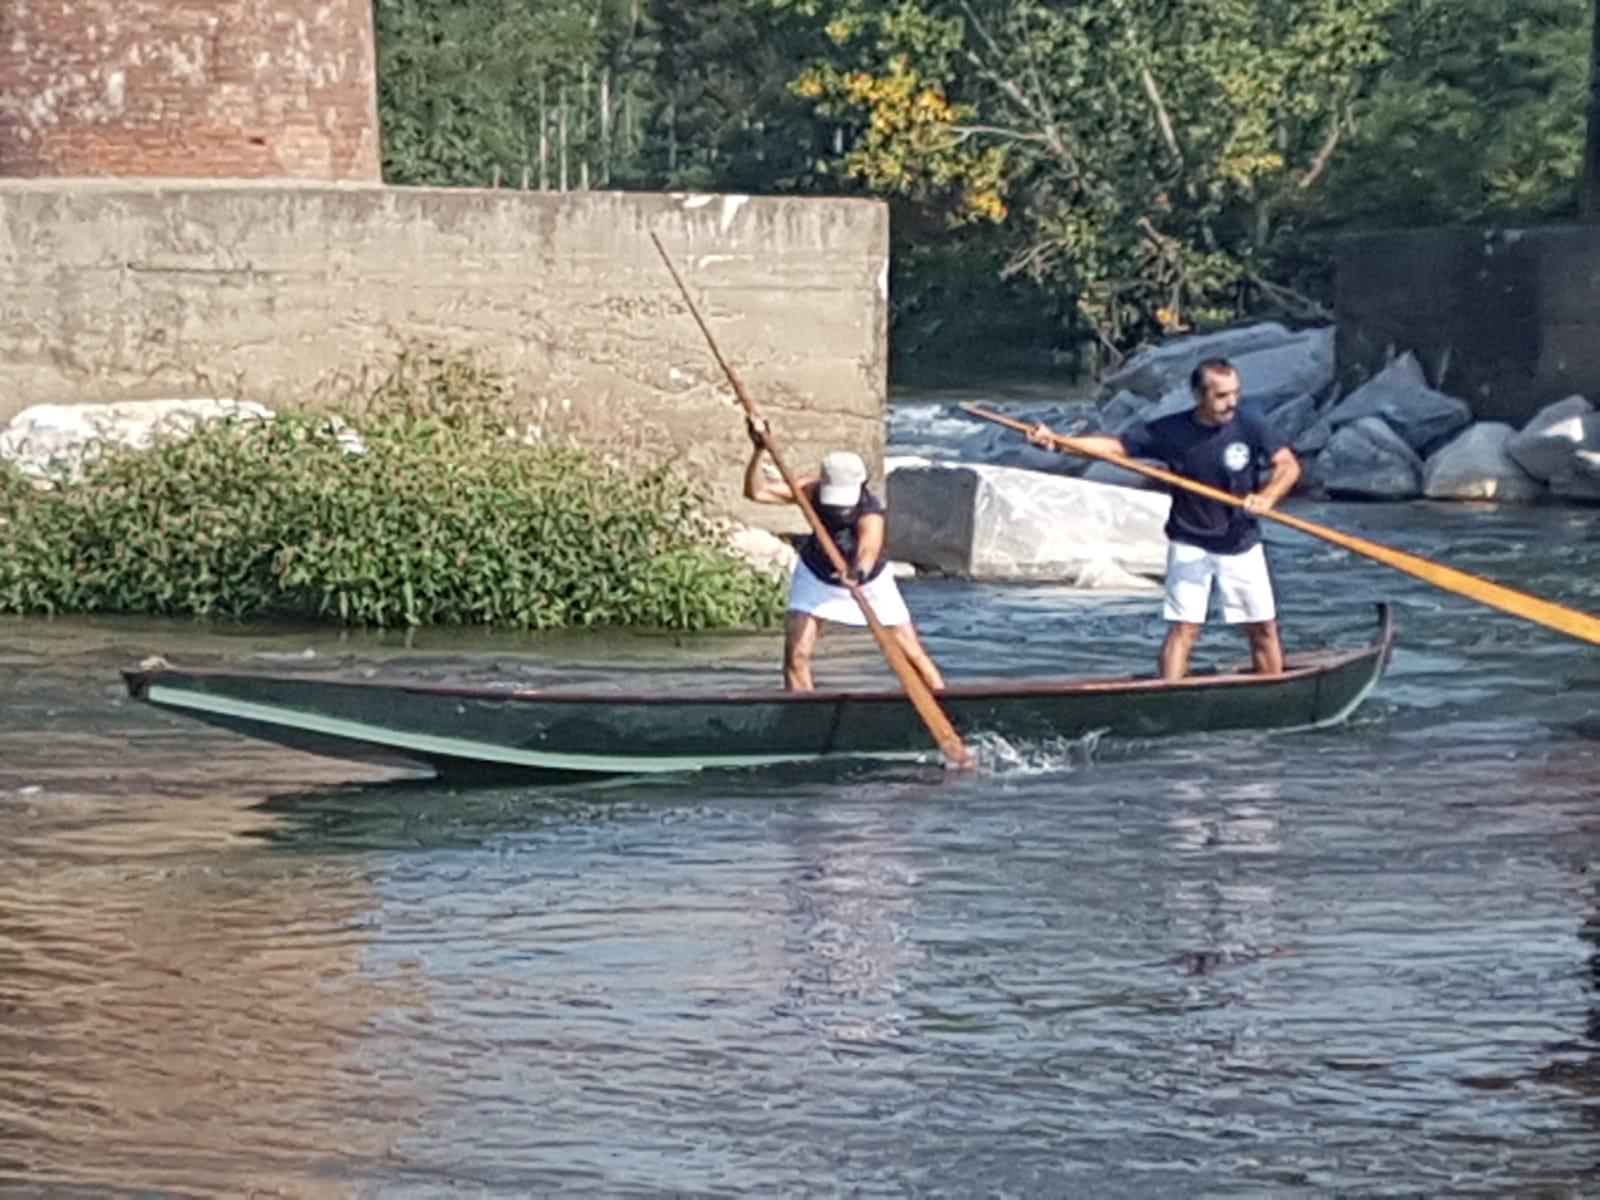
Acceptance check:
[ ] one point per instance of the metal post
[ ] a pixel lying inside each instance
(1589, 198)
(544, 141)
(561, 132)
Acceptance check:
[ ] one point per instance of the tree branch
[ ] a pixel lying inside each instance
(1319, 164)
(1016, 135)
(1291, 300)
(1162, 118)
(1043, 97)
(1030, 259)
(1032, 106)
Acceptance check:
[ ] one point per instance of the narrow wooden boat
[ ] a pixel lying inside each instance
(481, 733)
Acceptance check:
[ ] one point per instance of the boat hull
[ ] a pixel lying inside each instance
(491, 733)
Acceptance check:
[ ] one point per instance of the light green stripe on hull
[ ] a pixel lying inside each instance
(467, 749)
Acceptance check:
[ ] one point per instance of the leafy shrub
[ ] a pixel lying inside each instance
(442, 518)
(13, 486)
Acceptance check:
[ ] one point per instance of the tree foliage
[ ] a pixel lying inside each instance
(642, 93)
(465, 87)
(723, 116)
(443, 516)
(1480, 115)
(1144, 166)
(1143, 152)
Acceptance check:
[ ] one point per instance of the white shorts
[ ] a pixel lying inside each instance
(830, 602)
(1242, 580)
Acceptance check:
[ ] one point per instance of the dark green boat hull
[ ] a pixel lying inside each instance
(482, 733)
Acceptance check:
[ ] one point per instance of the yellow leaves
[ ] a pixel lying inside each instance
(1245, 166)
(1171, 321)
(913, 143)
(931, 107)
(988, 205)
(860, 88)
(811, 85)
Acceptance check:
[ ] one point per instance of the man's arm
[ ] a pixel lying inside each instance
(1041, 434)
(1103, 443)
(1285, 474)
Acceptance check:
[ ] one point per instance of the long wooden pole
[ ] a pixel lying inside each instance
(1562, 619)
(917, 690)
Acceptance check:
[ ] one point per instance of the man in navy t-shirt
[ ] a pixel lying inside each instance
(1221, 444)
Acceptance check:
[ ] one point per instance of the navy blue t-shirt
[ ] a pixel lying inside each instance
(1228, 457)
(841, 524)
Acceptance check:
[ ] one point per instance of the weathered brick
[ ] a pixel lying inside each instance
(258, 88)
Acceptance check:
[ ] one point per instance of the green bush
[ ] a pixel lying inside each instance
(13, 487)
(445, 517)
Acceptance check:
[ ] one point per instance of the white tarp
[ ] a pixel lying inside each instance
(54, 441)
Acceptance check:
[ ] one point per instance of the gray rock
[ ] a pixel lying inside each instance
(1295, 418)
(1178, 400)
(1302, 367)
(1367, 459)
(1293, 375)
(1158, 370)
(1475, 466)
(1399, 394)
(1582, 480)
(976, 441)
(999, 523)
(1122, 411)
(1548, 442)
(1313, 438)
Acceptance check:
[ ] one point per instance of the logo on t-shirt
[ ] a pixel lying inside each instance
(1236, 457)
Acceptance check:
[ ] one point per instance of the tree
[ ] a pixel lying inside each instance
(1143, 153)
(1480, 116)
(468, 86)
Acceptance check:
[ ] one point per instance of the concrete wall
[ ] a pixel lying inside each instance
(118, 291)
(1508, 320)
(223, 88)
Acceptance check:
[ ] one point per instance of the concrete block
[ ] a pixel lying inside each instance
(1001, 523)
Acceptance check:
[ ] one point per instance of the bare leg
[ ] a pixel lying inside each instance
(1181, 637)
(906, 635)
(1266, 651)
(800, 635)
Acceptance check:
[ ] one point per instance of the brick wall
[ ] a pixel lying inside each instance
(194, 88)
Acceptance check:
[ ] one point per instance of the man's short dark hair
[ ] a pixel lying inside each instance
(1211, 366)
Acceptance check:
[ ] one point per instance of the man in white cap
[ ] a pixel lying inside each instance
(854, 517)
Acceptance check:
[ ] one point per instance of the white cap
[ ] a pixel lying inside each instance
(843, 473)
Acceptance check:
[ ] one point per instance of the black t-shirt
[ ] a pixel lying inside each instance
(841, 523)
(1228, 457)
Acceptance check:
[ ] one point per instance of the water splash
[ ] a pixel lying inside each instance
(998, 755)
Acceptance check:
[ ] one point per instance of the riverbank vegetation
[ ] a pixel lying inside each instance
(415, 503)
(1088, 175)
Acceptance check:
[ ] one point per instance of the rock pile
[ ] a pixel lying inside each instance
(1392, 438)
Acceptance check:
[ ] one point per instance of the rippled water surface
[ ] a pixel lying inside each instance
(1359, 961)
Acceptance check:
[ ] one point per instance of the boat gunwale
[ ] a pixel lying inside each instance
(1314, 663)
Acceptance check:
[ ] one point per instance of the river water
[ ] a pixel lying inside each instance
(1363, 961)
